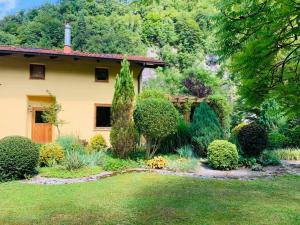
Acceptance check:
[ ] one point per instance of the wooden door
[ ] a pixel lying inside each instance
(41, 132)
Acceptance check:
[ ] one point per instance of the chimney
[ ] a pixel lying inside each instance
(67, 48)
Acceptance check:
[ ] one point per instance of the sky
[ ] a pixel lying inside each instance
(8, 7)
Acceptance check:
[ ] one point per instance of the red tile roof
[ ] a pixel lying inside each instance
(4, 49)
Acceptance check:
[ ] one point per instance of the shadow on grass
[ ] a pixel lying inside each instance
(146, 199)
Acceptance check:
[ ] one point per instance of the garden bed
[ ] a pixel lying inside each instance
(203, 171)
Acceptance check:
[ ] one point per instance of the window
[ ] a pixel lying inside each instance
(39, 117)
(37, 72)
(102, 116)
(101, 75)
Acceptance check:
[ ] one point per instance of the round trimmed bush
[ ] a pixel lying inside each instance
(155, 119)
(97, 143)
(18, 157)
(253, 139)
(222, 155)
(51, 154)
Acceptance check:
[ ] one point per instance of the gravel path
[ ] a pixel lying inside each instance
(288, 167)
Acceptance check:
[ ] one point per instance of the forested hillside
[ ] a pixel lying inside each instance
(253, 44)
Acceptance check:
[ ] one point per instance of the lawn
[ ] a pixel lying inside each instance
(145, 198)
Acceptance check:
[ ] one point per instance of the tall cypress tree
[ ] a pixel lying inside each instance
(122, 135)
(205, 128)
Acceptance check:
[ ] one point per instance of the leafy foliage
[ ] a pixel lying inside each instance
(97, 143)
(261, 39)
(50, 114)
(253, 139)
(276, 140)
(292, 132)
(155, 119)
(268, 159)
(222, 155)
(73, 160)
(51, 154)
(220, 105)
(196, 87)
(115, 164)
(248, 162)
(180, 138)
(70, 143)
(158, 162)
(205, 128)
(18, 158)
(151, 93)
(122, 135)
(272, 115)
(186, 151)
(285, 153)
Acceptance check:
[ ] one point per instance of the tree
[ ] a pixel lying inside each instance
(50, 114)
(155, 118)
(122, 135)
(80, 32)
(205, 128)
(197, 87)
(262, 40)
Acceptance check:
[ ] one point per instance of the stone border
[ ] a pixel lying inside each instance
(205, 173)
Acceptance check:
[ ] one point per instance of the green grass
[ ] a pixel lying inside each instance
(61, 172)
(145, 198)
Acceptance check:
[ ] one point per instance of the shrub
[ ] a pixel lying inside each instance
(234, 133)
(293, 134)
(180, 138)
(205, 128)
(122, 135)
(196, 87)
(93, 159)
(223, 109)
(139, 153)
(70, 143)
(222, 155)
(186, 151)
(276, 140)
(247, 162)
(115, 164)
(252, 138)
(155, 119)
(51, 154)
(97, 143)
(285, 154)
(18, 157)
(237, 128)
(158, 162)
(183, 165)
(271, 115)
(73, 160)
(151, 93)
(267, 159)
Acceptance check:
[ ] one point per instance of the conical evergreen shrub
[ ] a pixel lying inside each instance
(205, 128)
(122, 135)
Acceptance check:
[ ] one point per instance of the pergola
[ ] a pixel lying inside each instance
(182, 101)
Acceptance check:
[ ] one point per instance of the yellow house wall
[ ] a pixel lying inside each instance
(73, 84)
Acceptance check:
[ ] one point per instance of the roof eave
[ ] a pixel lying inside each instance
(147, 64)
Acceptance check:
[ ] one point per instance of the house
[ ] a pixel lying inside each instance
(83, 83)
